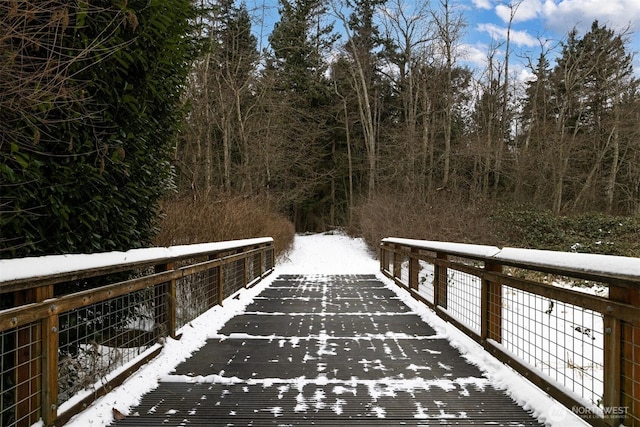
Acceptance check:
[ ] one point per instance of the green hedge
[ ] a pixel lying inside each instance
(586, 233)
(84, 170)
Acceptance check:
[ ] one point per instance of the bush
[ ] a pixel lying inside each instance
(528, 228)
(586, 233)
(82, 168)
(444, 218)
(187, 220)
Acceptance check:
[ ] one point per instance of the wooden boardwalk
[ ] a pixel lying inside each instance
(326, 350)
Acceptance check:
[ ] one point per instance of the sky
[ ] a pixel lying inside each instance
(535, 23)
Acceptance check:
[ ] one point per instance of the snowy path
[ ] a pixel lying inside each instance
(322, 255)
(326, 349)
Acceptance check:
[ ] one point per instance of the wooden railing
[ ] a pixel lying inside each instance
(74, 326)
(570, 323)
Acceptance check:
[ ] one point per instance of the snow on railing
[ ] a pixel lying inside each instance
(72, 326)
(569, 322)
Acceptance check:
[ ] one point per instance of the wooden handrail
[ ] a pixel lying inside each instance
(483, 276)
(167, 285)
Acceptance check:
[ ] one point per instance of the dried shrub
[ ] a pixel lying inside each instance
(447, 218)
(444, 218)
(187, 220)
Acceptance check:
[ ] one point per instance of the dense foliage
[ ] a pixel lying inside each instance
(83, 165)
(585, 233)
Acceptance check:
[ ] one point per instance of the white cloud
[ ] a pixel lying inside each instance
(525, 75)
(482, 4)
(476, 55)
(561, 16)
(519, 38)
(525, 11)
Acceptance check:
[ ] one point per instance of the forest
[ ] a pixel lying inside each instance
(129, 123)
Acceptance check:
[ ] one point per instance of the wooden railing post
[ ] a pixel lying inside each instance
(621, 399)
(29, 394)
(491, 305)
(414, 269)
(440, 282)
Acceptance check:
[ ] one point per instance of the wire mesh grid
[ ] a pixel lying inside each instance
(195, 294)
(97, 339)
(253, 267)
(20, 362)
(268, 259)
(463, 292)
(391, 256)
(233, 277)
(425, 280)
(384, 259)
(400, 267)
(631, 373)
(560, 340)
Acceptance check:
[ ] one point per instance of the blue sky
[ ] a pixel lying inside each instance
(535, 21)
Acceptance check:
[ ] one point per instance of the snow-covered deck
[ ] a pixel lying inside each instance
(331, 350)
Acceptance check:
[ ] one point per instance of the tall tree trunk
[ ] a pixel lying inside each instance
(226, 149)
(611, 188)
(427, 148)
(349, 160)
(368, 125)
(597, 165)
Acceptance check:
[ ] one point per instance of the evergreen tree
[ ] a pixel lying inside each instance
(592, 77)
(535, 153)
(301, 101)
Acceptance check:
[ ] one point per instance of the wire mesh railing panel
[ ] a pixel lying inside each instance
(404, 268)
(95, 340)
(463, 298)
(630, 381)
(253, 267)
(21, 375)
(425, 280)
(195, 294)
(395, 264)
(392, 264)
(233, 277)
(384, 259)
(400, 267)
(269, 259)
(560, 340)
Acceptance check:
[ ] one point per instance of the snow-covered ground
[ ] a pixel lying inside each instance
(317, 254)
